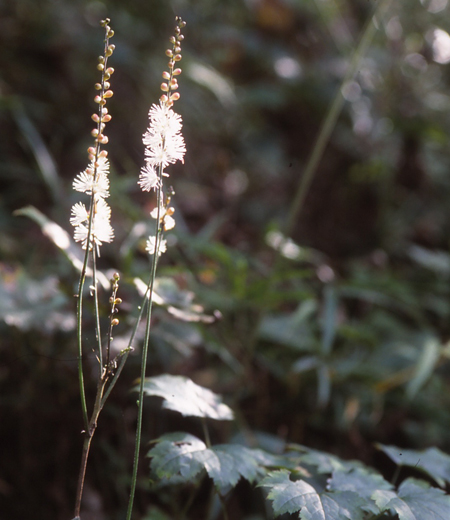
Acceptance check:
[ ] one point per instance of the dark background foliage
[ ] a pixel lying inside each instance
(340, 342)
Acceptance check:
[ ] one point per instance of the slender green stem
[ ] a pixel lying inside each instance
(206, 432)
(89, 434)
(80, 341)
(98, 334)
(126, 352)
(145, 349)
(330, 120)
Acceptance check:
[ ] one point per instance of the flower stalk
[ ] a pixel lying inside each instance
(164, 145)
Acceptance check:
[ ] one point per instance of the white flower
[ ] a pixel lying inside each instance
(163, 140)
(150, 248)
(167, 220)
(164, 121)
(85, 183)
(101, 228)
(148, 178)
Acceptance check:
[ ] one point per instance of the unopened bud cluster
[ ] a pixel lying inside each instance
(163, 141)
(171, 84)
(114, 301)
(93, 226)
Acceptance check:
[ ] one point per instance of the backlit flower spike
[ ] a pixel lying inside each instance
(163, 141)
(101, 229)
(94, 179)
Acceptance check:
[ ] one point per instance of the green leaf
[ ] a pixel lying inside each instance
(299, 496)
(182, 454)
(363, 482)
(183, 395)
(62, 240)
(415, 500)
(432, 461)
(325, 462)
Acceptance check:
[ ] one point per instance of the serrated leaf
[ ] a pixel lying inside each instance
(325, 462)
(299, 496)
(183, 395)
(432, 461)
(415, 500)
(363, 482)
(182, 454)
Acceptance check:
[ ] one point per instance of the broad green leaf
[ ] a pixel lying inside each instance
(61, 238)
(432, 461)
(178, 302)
(325, 462)
(415, 500)
(182, 454)
(299, 496)
(183, 395)
(363, 482)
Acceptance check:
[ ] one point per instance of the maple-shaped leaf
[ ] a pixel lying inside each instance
(183, 455)
(363, 482)
(300, 497)
(415, 500)
(432, 461)
(184, 396)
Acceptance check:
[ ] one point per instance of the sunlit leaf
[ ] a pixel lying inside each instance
(415, 500)
(363, 482)
(298, 496)
(179, 303)
(432, 461)
(183, 455)
(183, 395)
(61, 238)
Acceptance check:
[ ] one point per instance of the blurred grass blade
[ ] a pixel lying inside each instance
(329, 320)
(425, 366)
(42, 155)
(62, 240)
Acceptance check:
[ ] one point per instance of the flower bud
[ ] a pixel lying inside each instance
(94, 132)
(169, 53)
(106, 118)
(100, 66)
(177, 57)
(97, 86)
(110, 33)
(106, 84)
(164, 99)
(177, 49)
(108, 94)
(175, 96)
(172, 40)
(103, 153)
(176, 72)
(97, 99)
(95, 118)
(110, 71)
(114, 322)
(166, 75)
(164, 87)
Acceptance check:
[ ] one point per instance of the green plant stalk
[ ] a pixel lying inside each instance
(145, 348)
(98, 335)
(83, 272)
(89, 434)
(330, 120)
